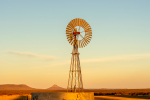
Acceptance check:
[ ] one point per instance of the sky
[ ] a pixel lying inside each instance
(34, 49)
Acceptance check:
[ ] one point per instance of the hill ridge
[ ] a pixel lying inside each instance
(15, 87)
(55, 87)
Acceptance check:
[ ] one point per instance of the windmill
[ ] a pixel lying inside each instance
(79, 34)
(78, 39)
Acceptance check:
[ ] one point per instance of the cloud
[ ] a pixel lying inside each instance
(124, 58)
(119, 58)
(31, 55)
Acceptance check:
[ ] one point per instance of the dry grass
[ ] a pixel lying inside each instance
(115, 98)
(96, 91)
(15, 97)
(100, 94)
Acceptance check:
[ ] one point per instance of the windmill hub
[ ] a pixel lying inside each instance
(76, 33)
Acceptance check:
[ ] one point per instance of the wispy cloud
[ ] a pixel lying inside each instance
(125, 58)
(119, 58)
(31, 55)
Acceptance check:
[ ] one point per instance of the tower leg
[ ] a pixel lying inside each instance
(75, 77)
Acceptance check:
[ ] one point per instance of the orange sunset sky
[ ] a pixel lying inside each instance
(34, 49)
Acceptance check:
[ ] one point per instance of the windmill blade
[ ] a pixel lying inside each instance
(68, 26)
(69, 41)
(90, 33)
(73, 23)
(78, 21)
(72, 41)
(70, 38)
(81, 44)
(73, 38)
(83, 37)
(88, 30)
(84, 43)
(89, 39)
(69, 35)
(81, 22)
(69, 31)
(87, 26)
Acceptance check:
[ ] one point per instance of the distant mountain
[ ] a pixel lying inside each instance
(56, 87)
(15, 87)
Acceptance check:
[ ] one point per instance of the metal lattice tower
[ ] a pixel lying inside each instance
(75, 77)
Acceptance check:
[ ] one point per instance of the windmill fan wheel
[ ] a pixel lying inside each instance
(73, 34)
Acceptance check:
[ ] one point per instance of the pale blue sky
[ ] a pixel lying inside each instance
(33, 31)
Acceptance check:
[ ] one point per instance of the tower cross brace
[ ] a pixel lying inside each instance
(75, 77)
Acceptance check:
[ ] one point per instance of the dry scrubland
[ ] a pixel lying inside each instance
(116, 98)
(100, 94)
(15, 97)
(131, 92)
